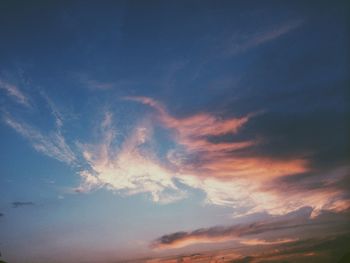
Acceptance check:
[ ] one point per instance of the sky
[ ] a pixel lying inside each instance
(152, 130)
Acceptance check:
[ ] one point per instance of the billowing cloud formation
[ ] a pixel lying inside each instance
(135, 168)
(192, 132)
(215, 159)
(198, 158)
(232, 180)
(131, 169)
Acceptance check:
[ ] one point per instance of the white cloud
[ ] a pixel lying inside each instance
(53, 144)
(242, 43)
(15, 93)
(54, 111)
(132, 169)
(247, 185)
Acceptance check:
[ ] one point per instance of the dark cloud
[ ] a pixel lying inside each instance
(20, 204)
(304, 91)
(327, 249)
(1, 215)
(293, 221)
(230, 232)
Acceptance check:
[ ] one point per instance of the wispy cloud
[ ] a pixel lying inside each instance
(94, 84)
(54, 110)
(131, 169)
(53, 144)
(20, 204)
(193, 131)
(129, 165)
(215, 158)
(242, 43)
(247, 184)
(228, 179)
(15, 93)
(262, 242)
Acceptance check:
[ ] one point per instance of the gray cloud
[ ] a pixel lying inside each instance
(20, 204)
(326, 222)
(326, 249)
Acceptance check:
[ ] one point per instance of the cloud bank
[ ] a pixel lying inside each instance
(234, 232)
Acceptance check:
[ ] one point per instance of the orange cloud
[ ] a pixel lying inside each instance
(227, 179)
(234, 232)
(216, 159)
(256, 242)
(192, 131)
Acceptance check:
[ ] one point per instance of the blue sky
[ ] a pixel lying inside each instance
(132, 128)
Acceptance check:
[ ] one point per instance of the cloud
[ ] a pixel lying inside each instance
(226, 233)
(215, 159)
(2, 214)
(291, 228)
(94, 84)
(53, 144)
(243, 182)
(245, 42)
(20, 204)
(198, 158)
(247, 184)
(255, 242)
(15, 93)
(332, 248)
(132, 169)
(54, 110)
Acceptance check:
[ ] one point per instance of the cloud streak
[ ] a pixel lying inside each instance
(20, 204)
(53, 144)
(14, 92)
(216, 159)
(262, 242)
(246, 42)
(227, 233)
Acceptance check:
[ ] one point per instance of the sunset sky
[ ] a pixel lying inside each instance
(145, 129)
